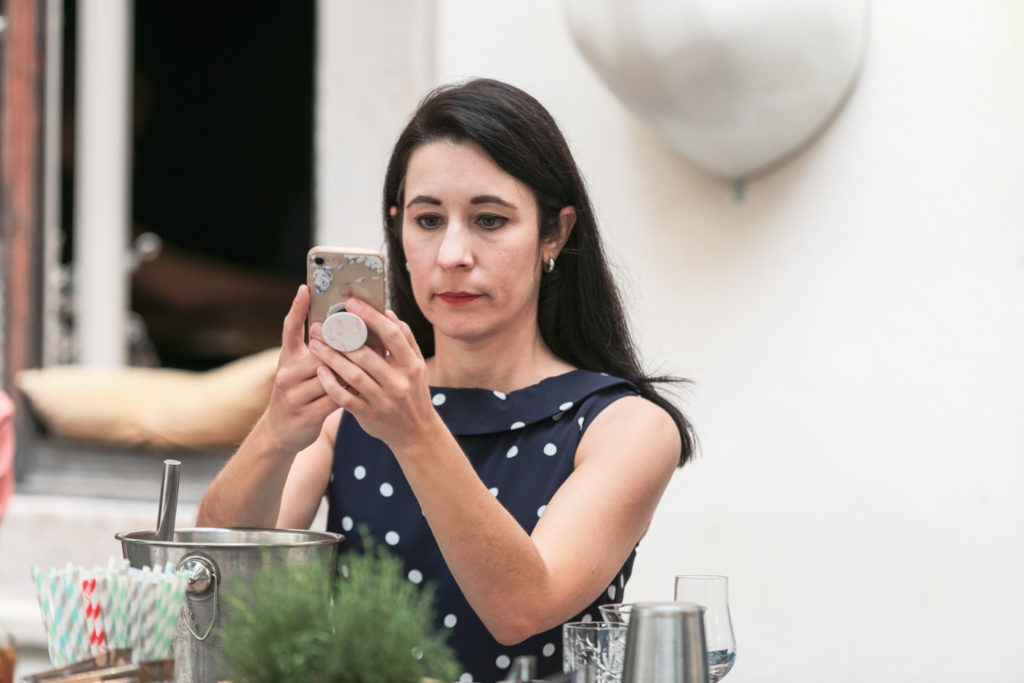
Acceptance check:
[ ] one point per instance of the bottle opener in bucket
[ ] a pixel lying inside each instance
(216, 561)
(168, 501)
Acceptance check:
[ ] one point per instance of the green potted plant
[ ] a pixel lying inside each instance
(365, 624)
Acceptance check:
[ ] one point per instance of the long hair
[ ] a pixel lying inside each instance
(580, 313)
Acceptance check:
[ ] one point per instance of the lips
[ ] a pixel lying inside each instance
(458, 298)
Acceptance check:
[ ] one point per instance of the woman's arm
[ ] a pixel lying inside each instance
(248, 491)
(518, 584)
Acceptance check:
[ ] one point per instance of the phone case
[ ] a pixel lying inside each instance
(333, 274)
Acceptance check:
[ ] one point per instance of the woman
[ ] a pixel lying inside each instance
(508, 447)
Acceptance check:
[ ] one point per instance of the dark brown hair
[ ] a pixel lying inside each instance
(580, 313)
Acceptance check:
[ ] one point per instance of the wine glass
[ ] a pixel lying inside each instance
(615, 612)
(711, 592)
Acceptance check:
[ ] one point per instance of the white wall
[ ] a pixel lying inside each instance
(855, 331)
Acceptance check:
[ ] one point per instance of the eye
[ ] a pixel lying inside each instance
(428, 221)
(490, 221)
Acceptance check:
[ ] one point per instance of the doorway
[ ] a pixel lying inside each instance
(222, 163)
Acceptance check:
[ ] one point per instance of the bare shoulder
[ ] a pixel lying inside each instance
(630, 427)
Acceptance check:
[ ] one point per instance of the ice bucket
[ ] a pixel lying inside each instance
(216, 561)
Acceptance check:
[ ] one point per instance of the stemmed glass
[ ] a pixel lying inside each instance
(615, 612)
(712, 592)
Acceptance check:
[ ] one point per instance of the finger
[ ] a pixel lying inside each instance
(293, 337)
(410, 338)
(309, 391)
(388, 332)
(348, 367)
(323, 406)
(341, 394)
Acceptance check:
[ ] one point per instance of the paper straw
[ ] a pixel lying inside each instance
(88, 612)
(132, 611)
(62, 617)
(105, 586)
(90, 605)
(45, 597)
(143, 610)
(78, 623)
(173, 595)
(120, 600)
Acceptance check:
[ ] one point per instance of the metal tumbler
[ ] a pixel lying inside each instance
(665, 644)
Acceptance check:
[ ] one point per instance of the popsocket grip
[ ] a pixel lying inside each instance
(344, 331)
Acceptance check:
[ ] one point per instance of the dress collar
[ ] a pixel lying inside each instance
(482, 411)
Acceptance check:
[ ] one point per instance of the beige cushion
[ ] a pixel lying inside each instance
(153, 407)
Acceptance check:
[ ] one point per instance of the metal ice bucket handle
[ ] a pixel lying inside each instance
(202, 576)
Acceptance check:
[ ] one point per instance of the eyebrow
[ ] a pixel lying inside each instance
(491, 199)
(422, 199)
(481, 199)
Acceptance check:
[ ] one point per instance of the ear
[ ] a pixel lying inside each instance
(566, 221)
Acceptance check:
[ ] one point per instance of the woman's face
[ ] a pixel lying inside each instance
(470, 234)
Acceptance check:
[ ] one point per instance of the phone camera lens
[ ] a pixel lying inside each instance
(318, 260)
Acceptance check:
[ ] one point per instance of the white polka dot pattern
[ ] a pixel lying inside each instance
(373, 488)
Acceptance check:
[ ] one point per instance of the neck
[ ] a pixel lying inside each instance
(499, 363)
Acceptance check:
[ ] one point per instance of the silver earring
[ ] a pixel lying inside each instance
(407, 266)
(550, 266)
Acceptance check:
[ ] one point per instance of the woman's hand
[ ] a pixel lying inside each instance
(298, 402)
(389, 395)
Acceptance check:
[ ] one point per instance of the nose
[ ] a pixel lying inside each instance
(455, 250)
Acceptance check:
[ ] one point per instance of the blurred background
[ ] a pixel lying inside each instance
(851, 318)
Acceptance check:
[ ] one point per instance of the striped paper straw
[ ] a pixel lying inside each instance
(92, 610)
(105, 588)
(45, 597)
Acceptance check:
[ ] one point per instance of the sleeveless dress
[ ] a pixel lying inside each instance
(522, 445)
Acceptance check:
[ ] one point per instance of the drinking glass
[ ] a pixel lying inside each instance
(594, 642)
(615, 612)
(712, 592)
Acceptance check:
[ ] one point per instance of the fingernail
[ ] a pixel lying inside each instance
(353, 305)
(315, 345)
(316, 329)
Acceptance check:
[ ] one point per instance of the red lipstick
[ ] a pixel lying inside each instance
(458, 298)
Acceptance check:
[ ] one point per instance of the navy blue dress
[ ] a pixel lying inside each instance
(522, 445)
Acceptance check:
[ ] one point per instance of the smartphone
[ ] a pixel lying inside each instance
(333, 274)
